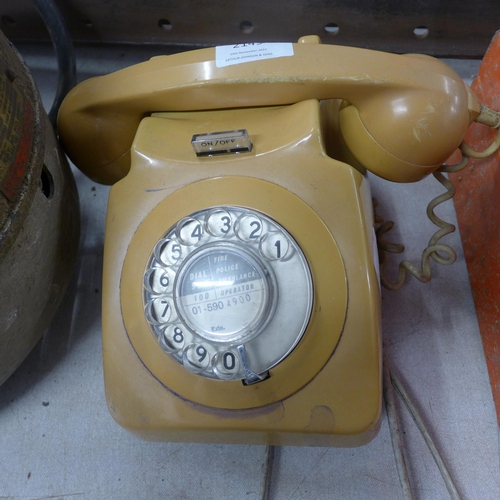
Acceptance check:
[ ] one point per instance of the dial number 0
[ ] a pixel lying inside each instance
(226, 364)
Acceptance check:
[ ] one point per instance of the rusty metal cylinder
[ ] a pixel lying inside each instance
(39, 214)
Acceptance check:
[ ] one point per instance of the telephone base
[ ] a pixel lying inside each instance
(327, 390)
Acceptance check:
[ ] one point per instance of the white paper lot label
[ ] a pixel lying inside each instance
(227, 55)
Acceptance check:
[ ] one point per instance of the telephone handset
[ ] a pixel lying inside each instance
(241, 300)
(406, 114)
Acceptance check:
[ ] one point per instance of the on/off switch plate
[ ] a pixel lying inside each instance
(220, 143)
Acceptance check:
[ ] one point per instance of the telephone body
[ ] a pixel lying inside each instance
(241, 301)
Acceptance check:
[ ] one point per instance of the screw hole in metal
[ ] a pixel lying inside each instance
(421, 32)
(165, 24)
(47, 183)
(246, 27)
(332, 29)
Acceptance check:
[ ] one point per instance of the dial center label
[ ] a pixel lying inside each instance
(222, 291)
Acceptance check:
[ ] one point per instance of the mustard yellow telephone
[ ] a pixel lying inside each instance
(241, 298)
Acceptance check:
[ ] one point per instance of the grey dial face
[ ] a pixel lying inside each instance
(227, 293)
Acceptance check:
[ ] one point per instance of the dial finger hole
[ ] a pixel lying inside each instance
(196, 357)
(190, 231)
(226, 365)
(219, 223)
(168, 252)
(158, 280)
(274, 246)
(158, 311)
(173, 338)
(248, 228)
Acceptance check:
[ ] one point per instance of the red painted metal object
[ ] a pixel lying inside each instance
(477, 203)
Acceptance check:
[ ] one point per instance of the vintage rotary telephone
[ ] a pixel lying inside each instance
(241, 297)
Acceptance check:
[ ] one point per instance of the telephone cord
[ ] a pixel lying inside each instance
(265, 491)
(439, 252)
(63, 47)
(391, 382)
(488, 116)
(491, 118)
(395, 432)
(468, 151)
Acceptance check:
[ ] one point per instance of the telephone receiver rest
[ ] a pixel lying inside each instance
(402, 117)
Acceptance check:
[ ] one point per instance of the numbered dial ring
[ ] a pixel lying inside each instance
(227, 293)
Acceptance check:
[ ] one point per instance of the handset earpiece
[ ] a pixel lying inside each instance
(405, 136)
(373, 156)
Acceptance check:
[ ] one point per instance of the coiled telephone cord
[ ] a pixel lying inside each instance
(439, 252)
